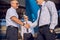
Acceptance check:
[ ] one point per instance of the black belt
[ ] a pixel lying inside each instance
(44, 26)
(13, 26)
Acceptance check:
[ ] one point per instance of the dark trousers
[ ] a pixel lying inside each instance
(28, 36)
(12, 33)
(45, 34)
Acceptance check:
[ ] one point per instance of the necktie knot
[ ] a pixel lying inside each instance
(40, 5)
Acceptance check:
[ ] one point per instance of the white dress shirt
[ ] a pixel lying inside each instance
(45, 17)
(11, 12)
(24, 30)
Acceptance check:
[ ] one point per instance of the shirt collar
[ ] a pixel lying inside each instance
(43, 3)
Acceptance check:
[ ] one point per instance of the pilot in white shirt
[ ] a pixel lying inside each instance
(45, 17)
(47, 20)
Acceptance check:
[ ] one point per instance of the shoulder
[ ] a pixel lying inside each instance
(10, 9)
(50, 3)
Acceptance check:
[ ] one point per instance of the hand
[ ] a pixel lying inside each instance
(27, 26)
(51, 30)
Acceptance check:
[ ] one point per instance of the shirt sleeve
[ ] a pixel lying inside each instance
(54, 19)
(30, 23)
(12, 13)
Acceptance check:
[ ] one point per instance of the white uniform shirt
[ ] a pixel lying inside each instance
(24, 30)
(45, 15)
(11, 12)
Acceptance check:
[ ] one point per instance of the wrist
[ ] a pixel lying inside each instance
(51, 30)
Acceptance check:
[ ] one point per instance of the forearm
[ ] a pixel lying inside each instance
(16, 20)
(34, 24)
(54, 20)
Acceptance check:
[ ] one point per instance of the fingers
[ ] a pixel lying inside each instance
(27, 25)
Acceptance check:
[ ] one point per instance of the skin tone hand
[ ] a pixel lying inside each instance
(51, 30)
(27, 26)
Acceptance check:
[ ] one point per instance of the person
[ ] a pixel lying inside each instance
(12, 21)
(46, 21)
(27, 31)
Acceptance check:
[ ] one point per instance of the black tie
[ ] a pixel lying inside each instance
(27, 28)
(39, 15)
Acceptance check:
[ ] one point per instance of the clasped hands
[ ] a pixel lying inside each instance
(27, 26)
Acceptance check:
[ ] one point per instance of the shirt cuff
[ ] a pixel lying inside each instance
(52, 26)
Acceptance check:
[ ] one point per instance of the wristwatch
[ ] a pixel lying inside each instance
(23, 24)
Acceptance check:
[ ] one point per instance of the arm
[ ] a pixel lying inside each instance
(16, 20)
(54, 18)
(14, 17)
(34, 24)
(30, 23)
